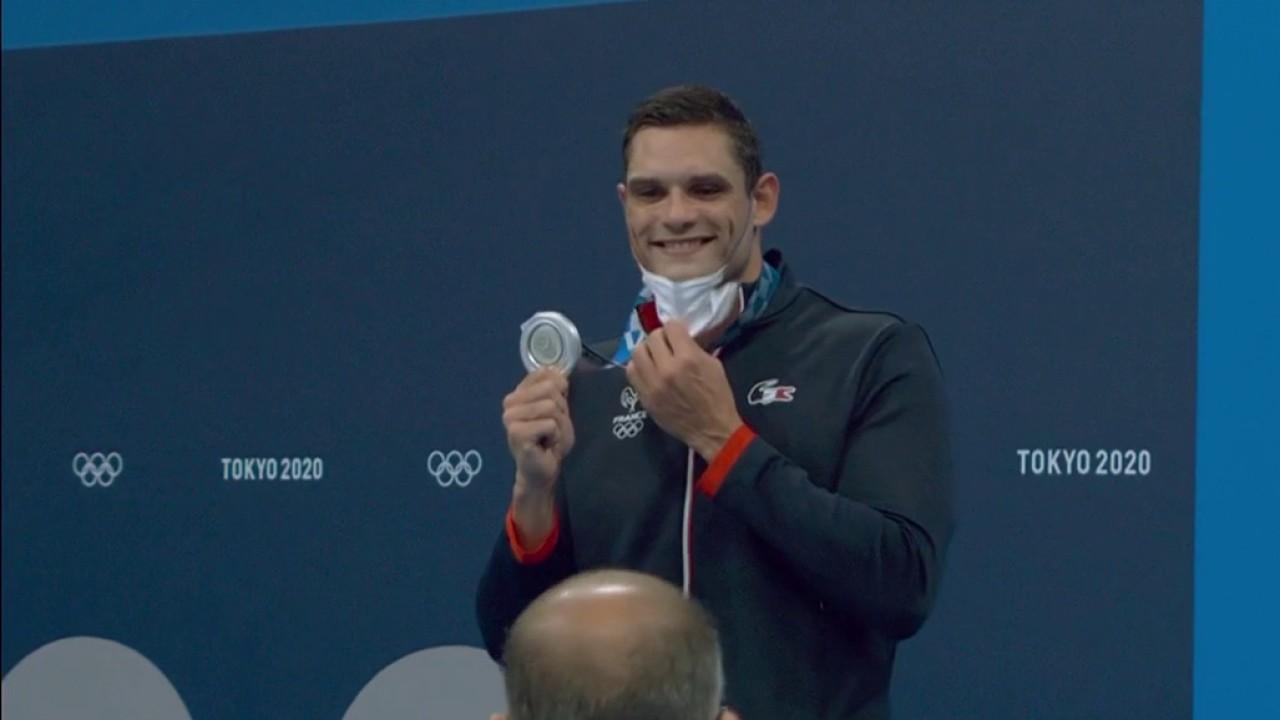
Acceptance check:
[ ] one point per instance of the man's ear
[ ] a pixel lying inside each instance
(766, 194)
(622, 194)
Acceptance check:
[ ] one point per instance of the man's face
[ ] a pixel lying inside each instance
(686, 203)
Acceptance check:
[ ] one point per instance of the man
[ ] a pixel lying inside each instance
(614, 645)
(782, 458)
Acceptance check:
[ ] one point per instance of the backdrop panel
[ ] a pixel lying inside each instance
(309, 252)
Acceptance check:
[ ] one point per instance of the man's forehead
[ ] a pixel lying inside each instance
(681, 153)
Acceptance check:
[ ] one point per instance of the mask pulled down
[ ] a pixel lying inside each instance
(700, 303)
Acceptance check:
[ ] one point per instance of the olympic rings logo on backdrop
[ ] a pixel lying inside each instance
(454, 467)
(96, 468)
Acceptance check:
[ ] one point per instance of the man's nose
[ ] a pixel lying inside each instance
(681, 212)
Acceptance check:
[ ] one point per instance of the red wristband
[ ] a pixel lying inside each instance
(538, 554)
(713, 477)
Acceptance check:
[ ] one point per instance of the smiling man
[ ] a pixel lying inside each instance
(782, 458)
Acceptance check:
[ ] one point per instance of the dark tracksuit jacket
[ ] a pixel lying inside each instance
(816, 537)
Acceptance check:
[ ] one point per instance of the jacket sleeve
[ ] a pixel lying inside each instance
(875, 546)
(509, 584)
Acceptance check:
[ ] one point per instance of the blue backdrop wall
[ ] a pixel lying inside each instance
(229, 259)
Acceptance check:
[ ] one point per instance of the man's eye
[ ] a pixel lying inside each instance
(706, 190)
(648, 193)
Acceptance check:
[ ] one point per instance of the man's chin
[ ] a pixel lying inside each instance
(685, 273)
(677, 269)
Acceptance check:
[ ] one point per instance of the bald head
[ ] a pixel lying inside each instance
(613, 644)
(603, 615)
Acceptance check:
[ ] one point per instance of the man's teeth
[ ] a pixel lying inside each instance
(681, 244)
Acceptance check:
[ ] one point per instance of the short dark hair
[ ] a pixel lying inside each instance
(670, 668)
(698, 105)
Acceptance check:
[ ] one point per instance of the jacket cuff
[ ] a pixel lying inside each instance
(713, 477)
(538, 554)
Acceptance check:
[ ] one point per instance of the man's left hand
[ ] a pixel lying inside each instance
(684, 389)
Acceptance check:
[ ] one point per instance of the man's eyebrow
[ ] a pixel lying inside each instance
(717, 178)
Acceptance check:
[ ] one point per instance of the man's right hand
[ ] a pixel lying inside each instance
(539, 435)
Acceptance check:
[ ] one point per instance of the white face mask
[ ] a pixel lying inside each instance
(701, 302)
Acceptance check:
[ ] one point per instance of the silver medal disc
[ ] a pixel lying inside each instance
(549, 339)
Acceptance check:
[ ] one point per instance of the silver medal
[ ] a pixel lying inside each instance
(549, 339)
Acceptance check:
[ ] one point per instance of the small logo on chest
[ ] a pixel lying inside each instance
(630, 423)
(768, 392)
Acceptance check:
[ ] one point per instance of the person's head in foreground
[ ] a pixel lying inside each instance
(614, 645)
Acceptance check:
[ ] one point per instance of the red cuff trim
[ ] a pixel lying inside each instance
(538, 554)
(713, 477)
